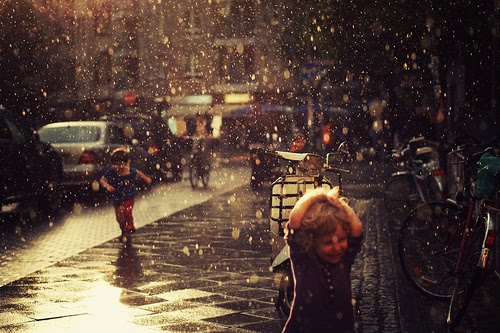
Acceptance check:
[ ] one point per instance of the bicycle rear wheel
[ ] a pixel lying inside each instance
(399, 196)
(205, 173)
(469, 276)
(434, 188)
(286, 292)
(428, 247)
(194, 172)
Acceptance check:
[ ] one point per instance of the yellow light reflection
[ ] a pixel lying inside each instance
(103, 311)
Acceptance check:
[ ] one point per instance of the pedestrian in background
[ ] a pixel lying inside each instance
(325, 235)
(120, 181)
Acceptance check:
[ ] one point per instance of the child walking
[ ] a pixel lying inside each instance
(324, 235)
(120, 181)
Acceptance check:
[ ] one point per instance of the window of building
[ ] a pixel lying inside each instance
(102, 19)
(193, 66)
(240, 20)
(236, 64)
(103, 68)
(192, 21)
(131, 31)
(132, 69)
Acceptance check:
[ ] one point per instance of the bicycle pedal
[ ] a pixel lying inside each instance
(428, 280)
(413, 197)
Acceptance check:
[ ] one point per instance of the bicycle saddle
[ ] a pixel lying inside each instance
(306, 162)
(293, 156)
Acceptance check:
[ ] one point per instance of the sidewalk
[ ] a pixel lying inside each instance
(81, 227)
(180, 274)
(205, 268)
(202, 269)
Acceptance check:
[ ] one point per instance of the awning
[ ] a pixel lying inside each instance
(245, 110)
(228, 109)
(187, 110)
(234, 110)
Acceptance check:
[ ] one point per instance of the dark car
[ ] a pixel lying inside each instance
(152, 134)
(85, 148)
(30, 181)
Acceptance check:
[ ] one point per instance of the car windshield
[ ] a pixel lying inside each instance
(70, 134)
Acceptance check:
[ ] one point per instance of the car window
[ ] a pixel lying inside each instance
(15, 134)
(70, 134)
(4, 130)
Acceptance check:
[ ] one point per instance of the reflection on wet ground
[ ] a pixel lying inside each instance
(199, 270)
(206, 269)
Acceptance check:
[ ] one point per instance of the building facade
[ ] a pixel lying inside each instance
(161, 53)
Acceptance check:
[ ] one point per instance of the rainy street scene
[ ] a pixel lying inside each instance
(249, 166)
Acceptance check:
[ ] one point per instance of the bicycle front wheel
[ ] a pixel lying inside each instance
(469, 276)
(429, 240)
(194, 174)
(286, 293)
(205, 174)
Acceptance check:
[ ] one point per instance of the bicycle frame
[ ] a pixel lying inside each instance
(418, 179)
(489, 240)
(466, 235)
(457, 237)
(199, 168)
(415, 182)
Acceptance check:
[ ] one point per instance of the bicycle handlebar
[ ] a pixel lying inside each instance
(337, 170)
(303, 159)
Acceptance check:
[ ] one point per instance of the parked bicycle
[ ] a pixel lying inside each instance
(429, 238)
(304, 171)
(420, 181)
(480, 230)
(200, 164)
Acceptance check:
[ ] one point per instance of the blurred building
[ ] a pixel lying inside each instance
(183, 55)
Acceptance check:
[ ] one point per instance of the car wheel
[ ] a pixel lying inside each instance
(51, 196)
(177, 171)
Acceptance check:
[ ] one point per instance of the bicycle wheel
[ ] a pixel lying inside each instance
(434, 188)
(194, 173)
(205, 173)
(286, 293)
(469, 276)
(399, 196)
(429, 240)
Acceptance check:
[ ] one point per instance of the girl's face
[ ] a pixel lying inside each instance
(331, 247)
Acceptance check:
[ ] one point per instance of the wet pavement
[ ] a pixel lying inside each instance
(199, 262)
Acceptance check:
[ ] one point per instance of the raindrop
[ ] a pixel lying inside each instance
(95, 186)
(254, 279)
(77, 208)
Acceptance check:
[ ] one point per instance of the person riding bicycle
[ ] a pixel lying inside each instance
(200, 136)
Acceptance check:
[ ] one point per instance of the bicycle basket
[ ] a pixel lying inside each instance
(488, 176)
(285, 192)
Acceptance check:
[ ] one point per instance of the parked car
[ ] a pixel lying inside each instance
(85, 148)
(152, 134)
(30, 181)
